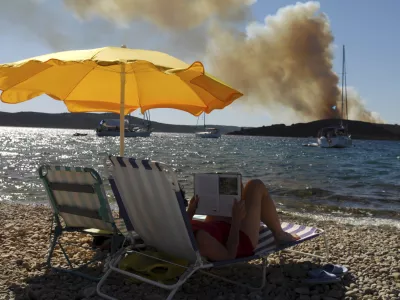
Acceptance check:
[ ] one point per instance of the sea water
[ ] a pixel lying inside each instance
(359, 185)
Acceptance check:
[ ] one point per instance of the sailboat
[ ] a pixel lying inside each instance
(110, 127)
(337, 136)
(208, 132)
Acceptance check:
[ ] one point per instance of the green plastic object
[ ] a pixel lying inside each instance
(152, 268)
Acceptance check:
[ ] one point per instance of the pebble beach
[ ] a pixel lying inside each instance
(371, 253)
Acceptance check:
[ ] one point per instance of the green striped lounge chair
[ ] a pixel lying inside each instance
(79, 204)
(149, 194)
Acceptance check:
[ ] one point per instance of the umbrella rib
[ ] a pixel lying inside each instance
(96, 53)
(137, 87)
(26, 79)
(69, 93)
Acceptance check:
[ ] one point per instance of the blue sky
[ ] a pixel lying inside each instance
(369, 29)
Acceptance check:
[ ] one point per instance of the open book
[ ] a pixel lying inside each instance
(217, 192)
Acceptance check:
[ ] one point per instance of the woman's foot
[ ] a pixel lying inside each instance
(285, 237)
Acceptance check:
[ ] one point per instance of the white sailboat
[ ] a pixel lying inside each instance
(337, 136)
(208, 132)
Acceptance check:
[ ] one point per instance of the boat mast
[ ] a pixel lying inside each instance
(343, 59)
(345, 82)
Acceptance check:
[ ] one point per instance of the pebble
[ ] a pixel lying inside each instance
(374, 273)
(396, 276)
(302, 290)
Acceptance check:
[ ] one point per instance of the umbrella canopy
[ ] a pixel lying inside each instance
(114, 79)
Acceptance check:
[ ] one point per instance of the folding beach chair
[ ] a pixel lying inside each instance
(151, 198)
(79, 204)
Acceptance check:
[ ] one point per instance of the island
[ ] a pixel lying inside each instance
(90, 121)
(358, 130)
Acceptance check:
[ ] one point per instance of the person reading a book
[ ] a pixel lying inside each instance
(222, 238)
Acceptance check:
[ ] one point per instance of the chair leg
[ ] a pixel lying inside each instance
(57, 233)
(100, 284)
(324, 257)
(54, 236)
(172, 288)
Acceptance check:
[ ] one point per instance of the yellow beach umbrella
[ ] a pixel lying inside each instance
(114, 79)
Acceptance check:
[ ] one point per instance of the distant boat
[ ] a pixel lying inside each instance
(337, 136)
(213, 133)
(209, 133)
(79, 134)
(334, 137)
(111, 127)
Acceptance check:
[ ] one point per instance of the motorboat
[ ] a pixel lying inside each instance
(79, 134)
(111, 127)
(209, 133)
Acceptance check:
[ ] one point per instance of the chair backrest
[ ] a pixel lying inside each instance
(152, 200)
(77, 195)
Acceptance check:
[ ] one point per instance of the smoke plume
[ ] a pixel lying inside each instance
(172, 14)
(284, 65)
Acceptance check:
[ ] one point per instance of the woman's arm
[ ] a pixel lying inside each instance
(191, 210)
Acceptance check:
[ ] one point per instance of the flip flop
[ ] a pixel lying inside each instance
(337, 270)
(319, 276)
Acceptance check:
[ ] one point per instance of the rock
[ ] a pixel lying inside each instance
(87, 292)
(368, 291)
(396, 276)
(304, 297)
(351, 292)
(276, 278)
(383, 270)
(302, 290)
(315, 297)
(32, 295)
(335, 294)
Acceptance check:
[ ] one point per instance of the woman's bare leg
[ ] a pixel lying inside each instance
(260, 207)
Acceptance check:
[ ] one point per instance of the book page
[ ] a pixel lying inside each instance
(206, 187)
(229, 191)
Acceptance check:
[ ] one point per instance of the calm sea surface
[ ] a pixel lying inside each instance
(359, 185)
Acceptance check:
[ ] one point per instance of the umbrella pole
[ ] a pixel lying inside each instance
(122, 112)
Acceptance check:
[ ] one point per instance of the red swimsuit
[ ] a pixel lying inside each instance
(220, 231)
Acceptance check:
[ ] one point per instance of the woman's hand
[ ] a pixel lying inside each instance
(192, 207)
(238, 211)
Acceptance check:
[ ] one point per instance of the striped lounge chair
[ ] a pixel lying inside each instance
(149, 194)
(77, 198)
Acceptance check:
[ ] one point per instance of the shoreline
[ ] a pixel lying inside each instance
(374, 271)
(313, 216)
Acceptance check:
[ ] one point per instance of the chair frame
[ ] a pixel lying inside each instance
(57, 229)
(199, 265)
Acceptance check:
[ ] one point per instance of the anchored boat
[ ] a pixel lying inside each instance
(110, 127)
(337, 136)
(208, 132)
